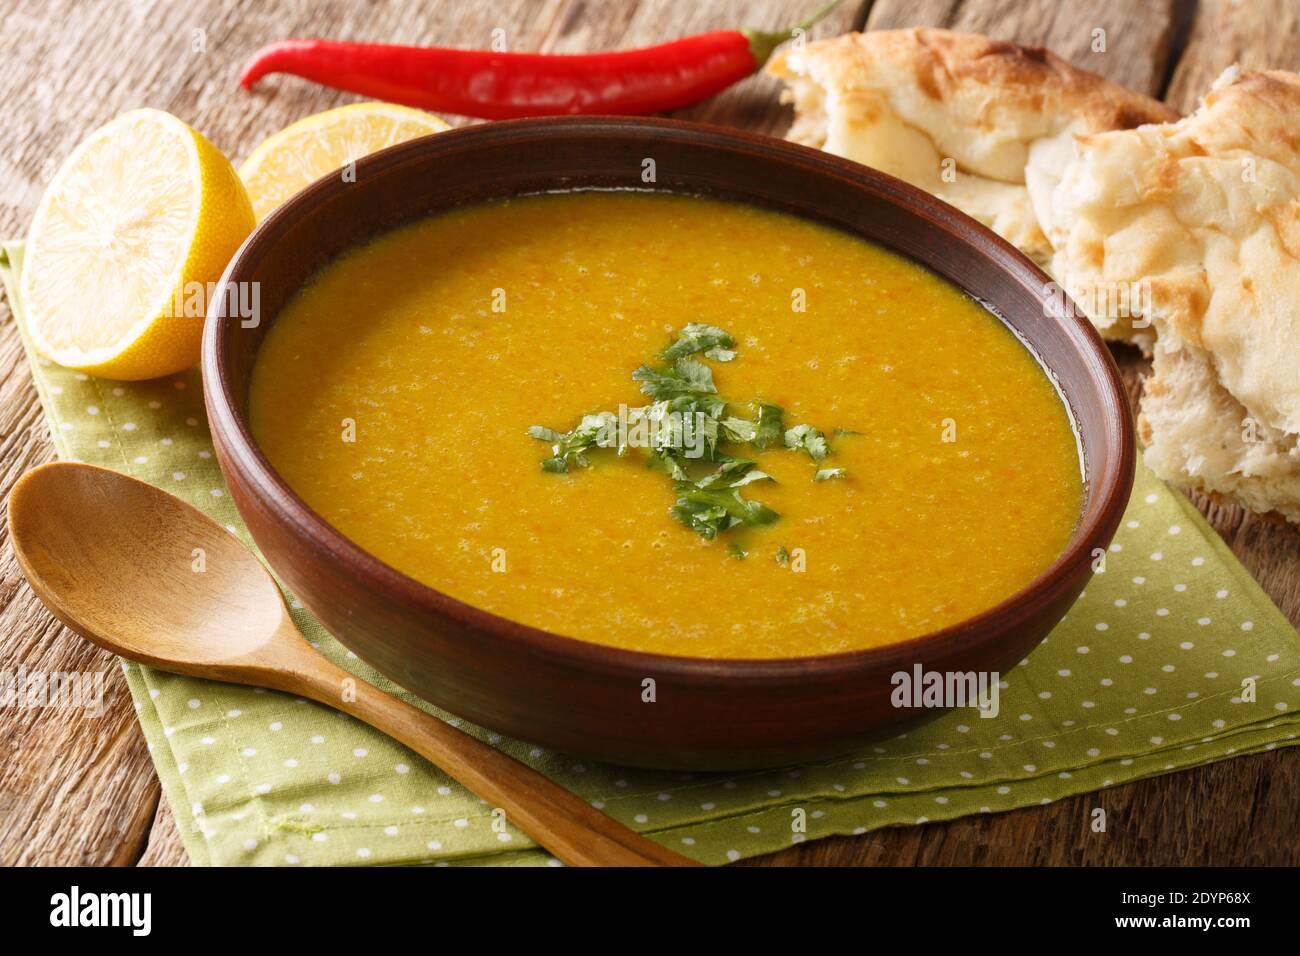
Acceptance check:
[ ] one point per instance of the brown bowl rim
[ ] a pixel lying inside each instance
(1107, 493)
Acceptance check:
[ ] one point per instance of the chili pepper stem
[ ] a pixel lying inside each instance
(763, 43)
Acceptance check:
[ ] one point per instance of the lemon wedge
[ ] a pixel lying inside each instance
(133, 229)
(302, 153)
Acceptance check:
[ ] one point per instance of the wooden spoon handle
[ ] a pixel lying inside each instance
(576, 832)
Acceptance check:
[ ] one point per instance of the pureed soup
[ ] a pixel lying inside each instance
(670, 424)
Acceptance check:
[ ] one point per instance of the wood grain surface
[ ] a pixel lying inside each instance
(82, 790)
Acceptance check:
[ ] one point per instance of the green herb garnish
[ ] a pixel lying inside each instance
(569, 448)
(698, 337)
(763, 430)
(683, 428)
(706, 511)
(809, 439)
(685, 378)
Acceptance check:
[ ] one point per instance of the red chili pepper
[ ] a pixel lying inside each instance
(491, 85)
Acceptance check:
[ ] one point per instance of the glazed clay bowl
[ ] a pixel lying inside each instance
(589, 699)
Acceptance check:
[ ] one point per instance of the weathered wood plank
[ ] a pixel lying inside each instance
(164, 841)
(81, 790)
(1256, 34)
(1138, 37)
(74, 787)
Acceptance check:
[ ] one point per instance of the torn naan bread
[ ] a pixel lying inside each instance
(982, 124)
(1204, 216)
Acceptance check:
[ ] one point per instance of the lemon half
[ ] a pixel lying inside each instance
(302, 153)
(137, 222)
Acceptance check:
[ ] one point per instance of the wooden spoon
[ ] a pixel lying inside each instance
(144, 575)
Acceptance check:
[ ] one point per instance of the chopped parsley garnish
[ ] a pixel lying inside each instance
(809, 439)
(685, 378)
(569, 448)
(682, 430)
(763, 430)
(768, 424)
(706, 511)
(698, 337)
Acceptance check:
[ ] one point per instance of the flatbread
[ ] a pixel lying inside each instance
(1204, 214)
(983, 124)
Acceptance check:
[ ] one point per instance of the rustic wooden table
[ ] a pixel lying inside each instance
(82, 790)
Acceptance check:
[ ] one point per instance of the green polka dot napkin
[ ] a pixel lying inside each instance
(1173, 658)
